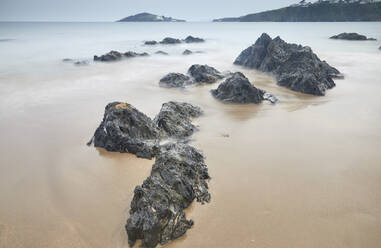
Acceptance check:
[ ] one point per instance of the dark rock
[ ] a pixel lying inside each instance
(111, 56)
(175, 80)
(178, 177)
(351, 36)
(191, 39)
(169, 40)
(175, 119)
(204, 74)
(81, 62)
(150, 42)
(115, 56)
(294, 66)
(162, 53)
(67, 60)
(187, 52)
(76, 62)
(379, 48)
(130, 54)
(238, 89)
(126, 129)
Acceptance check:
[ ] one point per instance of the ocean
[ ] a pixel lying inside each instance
(305, 172)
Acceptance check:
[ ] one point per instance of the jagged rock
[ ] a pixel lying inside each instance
(169, 40)
(162, 53)
(294, 66)
(175, 80)
(187, 52)
(175, 119)
(178, 177)
(191, 39)
(115, 55)
(134, 54)
(238, 89)
(126, 129)
(204, 73)
(150, 42)
(351, 36)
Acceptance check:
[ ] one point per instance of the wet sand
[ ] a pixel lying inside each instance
(302, 173)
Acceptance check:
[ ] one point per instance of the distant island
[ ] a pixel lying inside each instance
(147, 17)
(320, 11)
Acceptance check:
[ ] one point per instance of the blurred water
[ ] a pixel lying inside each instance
(303, 173)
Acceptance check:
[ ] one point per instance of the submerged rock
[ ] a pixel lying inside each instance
(115, 56)
(175, 80)
(178, 177)
(169, 40)
(204, 74)
(350, 36)
(76, 62)
(150, 42)
(237, 89)
(191, 39)
(174, 119)
(187, 52)
(126, 129)
(294, 66)
(162, 53)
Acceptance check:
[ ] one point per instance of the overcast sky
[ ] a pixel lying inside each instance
(111, 10)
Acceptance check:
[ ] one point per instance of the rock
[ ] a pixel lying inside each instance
(204, 74)
(175, 119)
(162, 53)
(237, 89)
(150, 42)
(178, 177)
(351, 36)
(111, 56)
(187, 52)
(134, 54)
(379, 48)
(191, 39)
(126, 129)
(169, 40)
(115, 56)
(294, 66)
(76, 62)
(175, 80)
(67, 60)
(81, 62)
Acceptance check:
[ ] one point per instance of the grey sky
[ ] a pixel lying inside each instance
(110, 10)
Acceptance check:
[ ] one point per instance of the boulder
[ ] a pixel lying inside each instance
(115, 56)
(130, 54)
(150, 42)
(350, 36)
(169, 40)
(294, 66)
(238, 89)
(204, 74)
(191, 39)
(187, 52)
(175, 119)
(126, 129)
(161, 53)
(175, 80)
(179, 175)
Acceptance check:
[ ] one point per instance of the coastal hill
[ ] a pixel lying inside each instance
(147, 17)
(320, 11)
